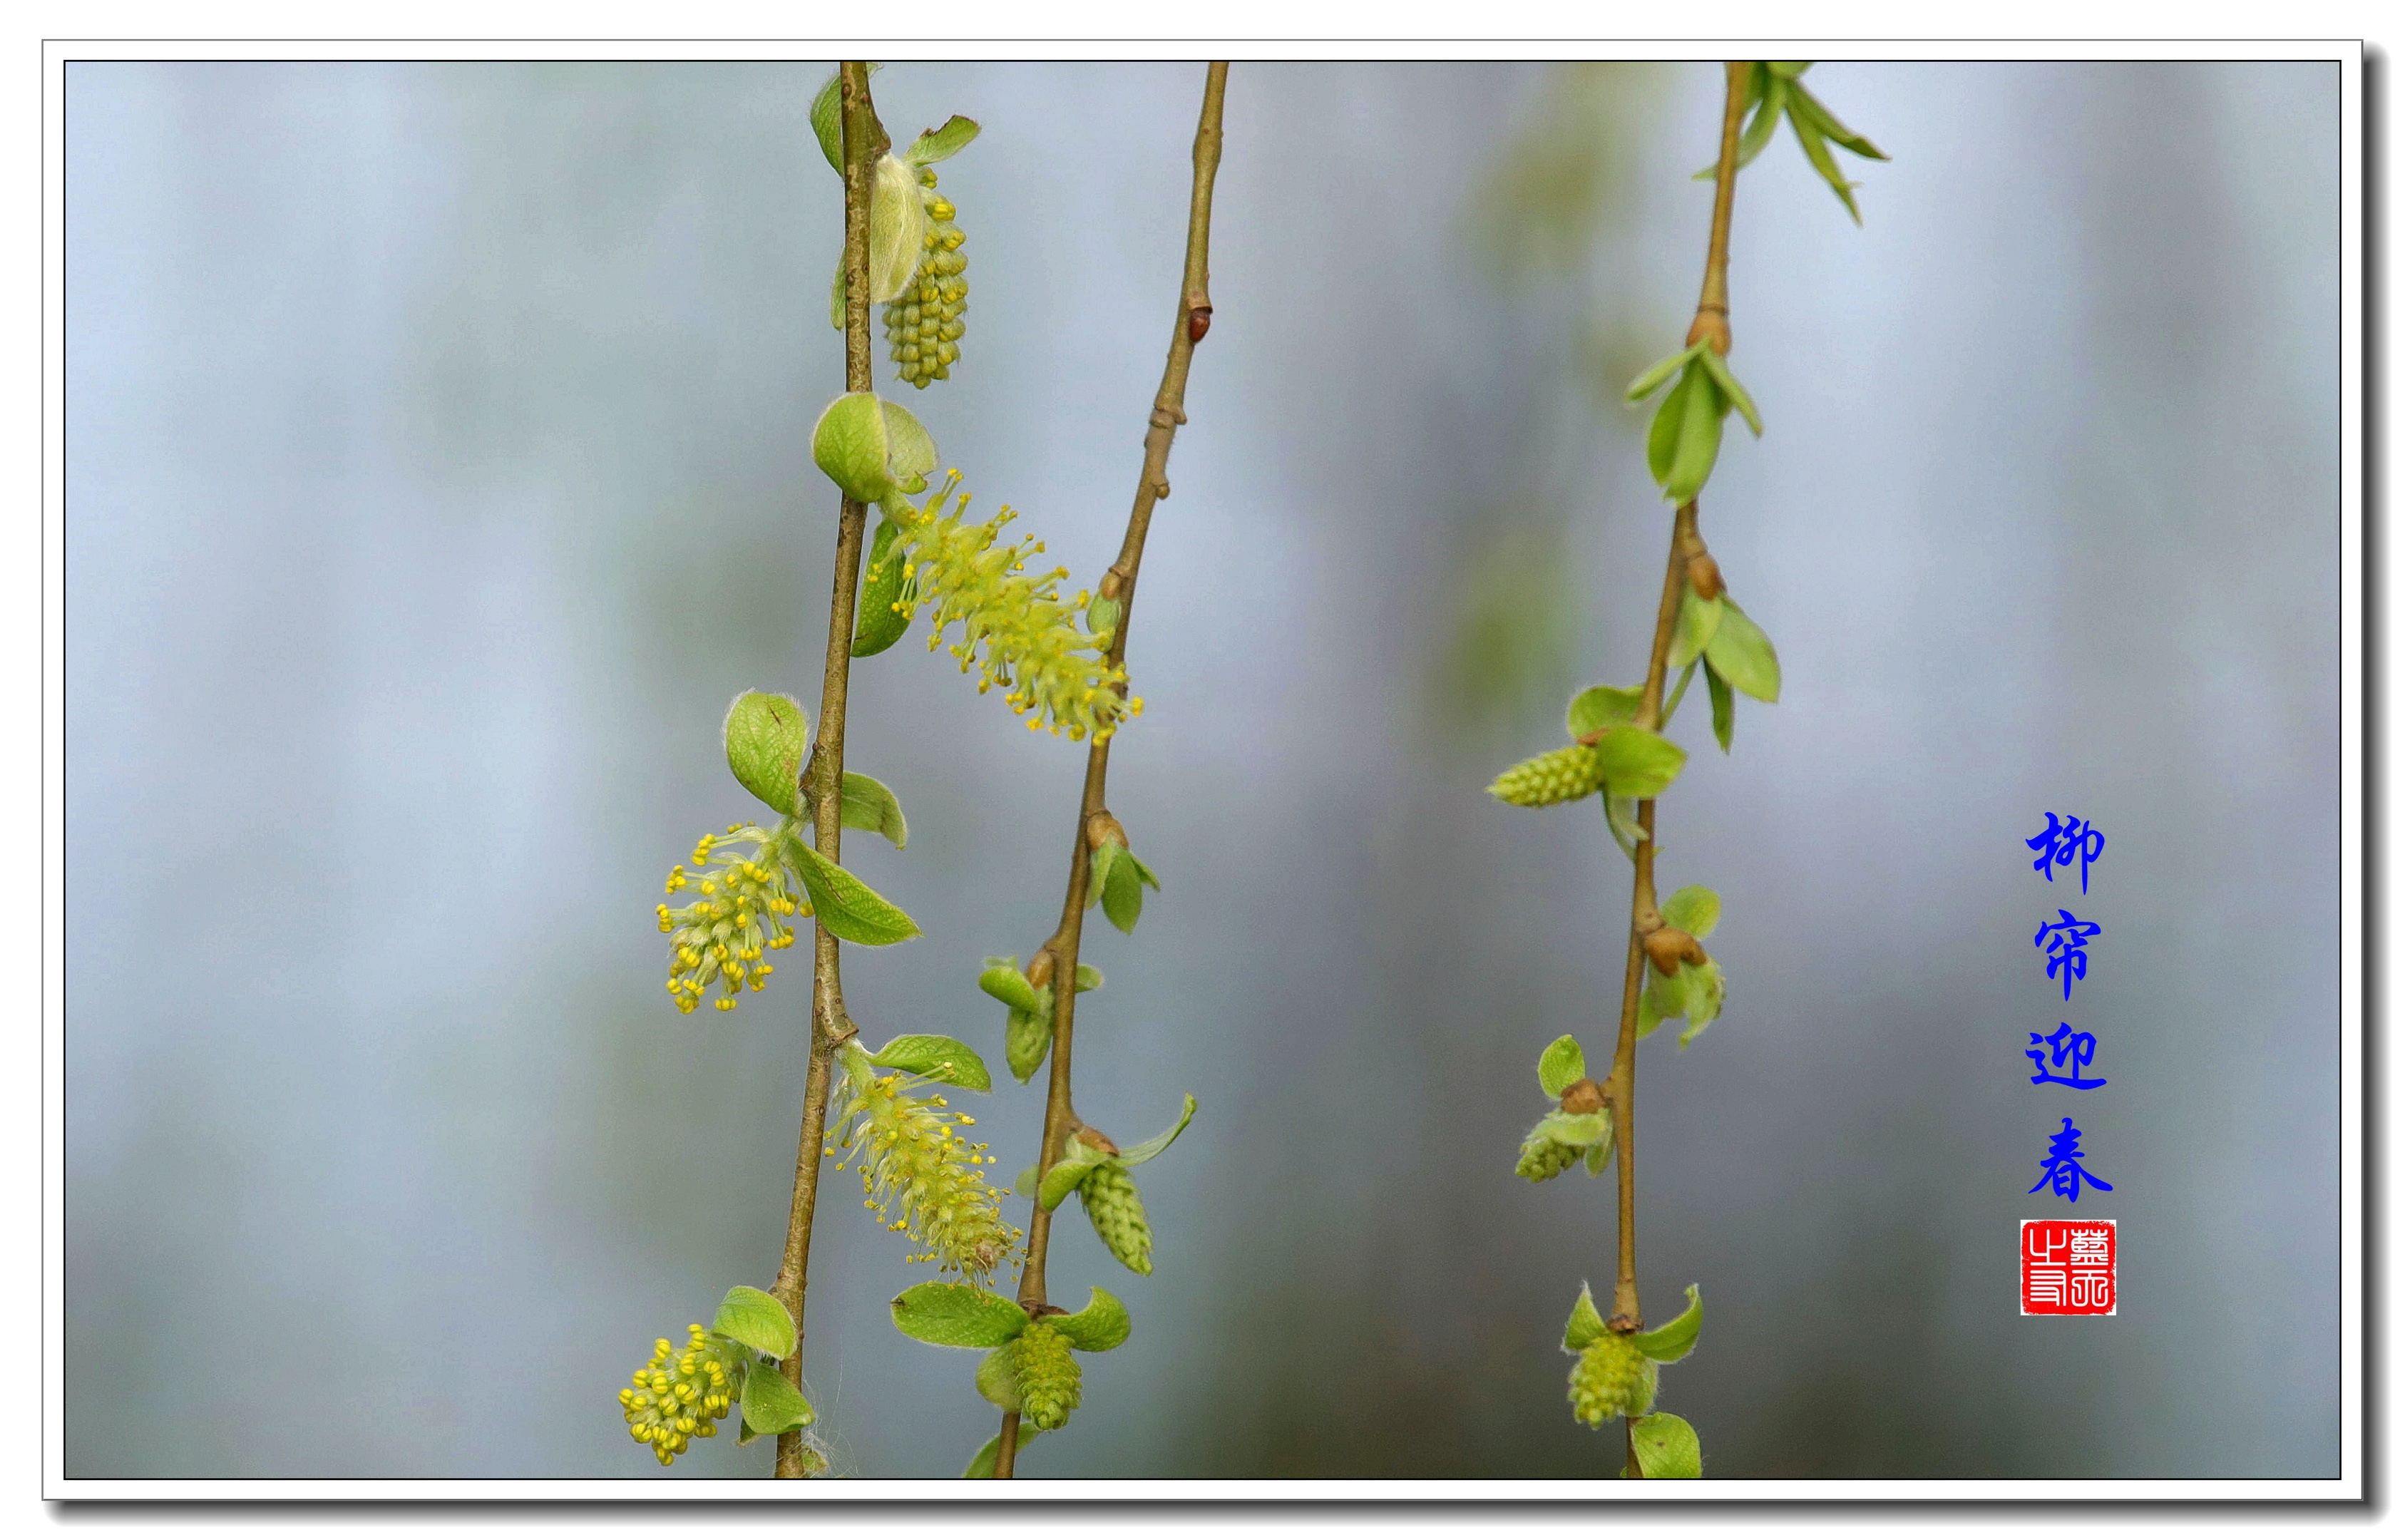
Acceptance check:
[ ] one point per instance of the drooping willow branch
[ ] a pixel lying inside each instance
(864, 142)
(1118, 586)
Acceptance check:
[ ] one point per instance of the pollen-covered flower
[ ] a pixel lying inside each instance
(920, 1172)
(738, 916)
(1612, 1377)
(922, 324)
(680, 1395)
(1054, 673)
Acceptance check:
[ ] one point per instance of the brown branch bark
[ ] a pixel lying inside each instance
(863, 141)
(1119, 581)
(1644, 913)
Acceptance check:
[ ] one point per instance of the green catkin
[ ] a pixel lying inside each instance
(922, 1176)
(746, 898)
(1612, 1377)
(1544, 1158)
(1053, 673)
(1565, 775)
(680, 1395)
(1117, 1208)
(922, 324)
(1048, 1375)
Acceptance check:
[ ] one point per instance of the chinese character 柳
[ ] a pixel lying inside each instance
(2068, 950)
(2078, 1048)
(2062, 841)
(2064, 1171)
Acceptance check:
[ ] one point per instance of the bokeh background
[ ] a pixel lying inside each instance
(437, 469)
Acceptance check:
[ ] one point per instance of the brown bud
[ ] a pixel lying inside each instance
(1704, 577)
(1103, 829)
(1113, 582)
(1097, 1139)
(1583, 1097)
(1197, 322)
(1711, 325)
(1624, 1325)
(1670, 947)
(1039, 968)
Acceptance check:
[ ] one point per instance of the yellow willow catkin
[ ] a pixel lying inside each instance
(1052, 672)
(922, 1175)
(1564, 775)
(746, 897)
(680, 1395)
(1612, 1377)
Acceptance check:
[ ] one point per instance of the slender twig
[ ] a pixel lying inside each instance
(1119, 583)
(863, 141)
(1644, 913)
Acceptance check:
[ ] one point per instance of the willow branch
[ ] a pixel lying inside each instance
(1644, 913)
(863, 141)
(1119, 583)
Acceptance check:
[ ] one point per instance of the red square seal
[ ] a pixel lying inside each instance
(2067, 1268)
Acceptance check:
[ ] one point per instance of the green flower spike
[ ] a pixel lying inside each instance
(1015, 630)
(1096, 1170)
(1578, 1128)
(1030, 1369)
(917, 1170)
(1616, 1373)
(922, 324)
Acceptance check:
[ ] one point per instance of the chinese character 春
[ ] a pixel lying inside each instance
(2062, 841)
(2068, 951)
(2063, 1172)
(2078, 1048)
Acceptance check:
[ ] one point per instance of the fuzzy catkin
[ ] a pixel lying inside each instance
(1565, 775)
(681, 1392)
(746, 898)
(922, 324)
(922, 1176)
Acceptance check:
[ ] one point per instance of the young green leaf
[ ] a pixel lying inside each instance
(1662, 439)
(1090, 977)
(1671, 1342)
(1562, 1064)
(1136, 1155)
(910, 449)
(771, 1406)
(1698, 444)
(848, 443)
(1585, 1323)
(1100, 1327)
(1621, 813)
(826, 119)
(869, 803)
(766, 738)
(1652, 379)
(1693, 909)
(850, 909)
(1638, 764)
(1648, 1014)
(937, 1059)
(1099, 866)
(1666, 1448)
(1003, 980)
(1723, 705)
(1664, 1000)
(1826, 122)
(1697, 620)
(1741, 654)
(1770, 91)
(757, 1319)
(1580, 1128)
(1730, 390)
(941, 143)
(1077, 1159)
(1705, 992)
(1596, 1155)
(957, 1315)
(997, 1379)
(981, 1465)
(1601, 706)
(1123, 890)
(1670, 707)
(897, 227)
(885, 611)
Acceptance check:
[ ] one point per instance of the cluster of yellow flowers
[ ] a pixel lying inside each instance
(746, 897)
(1052, 672)
(921, 1173)
(680, 1395)
(922, 323)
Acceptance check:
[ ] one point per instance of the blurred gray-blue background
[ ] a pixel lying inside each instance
(437, 469)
